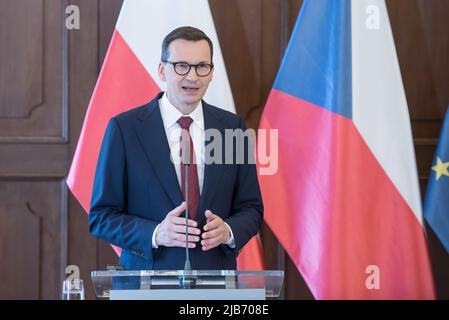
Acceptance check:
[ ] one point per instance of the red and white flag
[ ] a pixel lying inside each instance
(129, 77)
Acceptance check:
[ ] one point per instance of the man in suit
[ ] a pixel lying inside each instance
(137, 199)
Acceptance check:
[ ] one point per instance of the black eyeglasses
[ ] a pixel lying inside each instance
(183, 68)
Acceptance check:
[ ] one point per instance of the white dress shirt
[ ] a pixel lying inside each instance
(170, 116)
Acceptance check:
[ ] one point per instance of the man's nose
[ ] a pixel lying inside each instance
(192, 76)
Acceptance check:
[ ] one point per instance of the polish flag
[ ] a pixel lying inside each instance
(345, 202)
(129, 77)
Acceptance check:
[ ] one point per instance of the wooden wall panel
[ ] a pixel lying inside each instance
(32, 238)
(22, 76)
(31, 106)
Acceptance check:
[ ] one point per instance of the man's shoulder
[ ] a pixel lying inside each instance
(226, 116)
(138, 112)
(132, 114)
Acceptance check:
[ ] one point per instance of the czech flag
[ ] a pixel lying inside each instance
(345, 200)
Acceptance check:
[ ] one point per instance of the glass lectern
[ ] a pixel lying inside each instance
(188, 285)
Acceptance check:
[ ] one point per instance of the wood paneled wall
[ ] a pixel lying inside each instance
(47, 75)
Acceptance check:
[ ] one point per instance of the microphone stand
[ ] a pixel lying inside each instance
(187, 282)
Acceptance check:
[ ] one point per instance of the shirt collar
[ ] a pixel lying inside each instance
(170, 114)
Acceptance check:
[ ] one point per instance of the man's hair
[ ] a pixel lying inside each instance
(185, 33)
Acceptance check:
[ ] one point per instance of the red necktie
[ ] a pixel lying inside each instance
(194, 189)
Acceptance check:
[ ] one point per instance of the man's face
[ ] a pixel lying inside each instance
(188, 90)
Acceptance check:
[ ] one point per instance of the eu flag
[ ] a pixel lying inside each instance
(436, 206)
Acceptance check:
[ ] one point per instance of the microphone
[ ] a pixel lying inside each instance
(187, 282)
(186, 161)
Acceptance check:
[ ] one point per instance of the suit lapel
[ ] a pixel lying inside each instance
(151, 134)
(212, 172)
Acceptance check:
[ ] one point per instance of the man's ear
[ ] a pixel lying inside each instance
(161, 71)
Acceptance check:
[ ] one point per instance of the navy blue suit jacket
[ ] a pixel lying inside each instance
(136, 186)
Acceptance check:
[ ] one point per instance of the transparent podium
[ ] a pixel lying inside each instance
(188, 285)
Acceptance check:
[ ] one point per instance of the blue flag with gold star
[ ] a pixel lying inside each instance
(436, 206)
